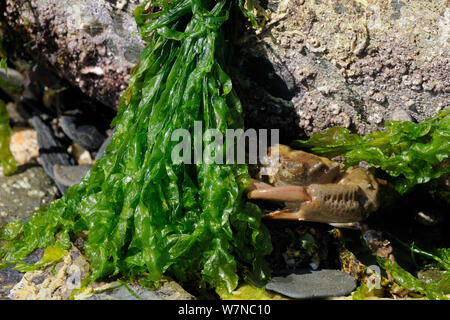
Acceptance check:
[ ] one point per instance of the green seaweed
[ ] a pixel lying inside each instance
(7, 160)
(433, 290)
(409, 152)
(145, 215)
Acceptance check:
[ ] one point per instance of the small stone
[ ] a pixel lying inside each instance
(81, 155)
(76, 127)
(101, 151)
(53, 151)
(376, 118)
(400, 114)
(70, 175)
(307, 284)
(24, 145)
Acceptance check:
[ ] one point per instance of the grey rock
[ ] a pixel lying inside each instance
(51, 150)
(309, 284)
(85, 134)
(101, 36)
(400, 114)
(70, 175)
(101, 151)
(169, 290)
(12, 83)
(24, 192)
(367, 57)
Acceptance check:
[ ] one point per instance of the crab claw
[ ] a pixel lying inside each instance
(286, 214)
(281, 193)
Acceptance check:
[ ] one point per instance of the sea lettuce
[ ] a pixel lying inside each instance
(144, 214)
(7, 160)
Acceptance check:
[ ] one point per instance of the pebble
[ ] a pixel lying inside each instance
(81, 155)
(400, 114)
(70, 175)
(86, 135)
(101, 151)
(307, 284)
(24, 145)
(51, 150)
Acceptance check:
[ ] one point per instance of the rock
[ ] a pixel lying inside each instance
(80, 154)
(309, 284)
(70, 175)
(85, 134)
(12, 83)
(9, 277)
(169, 290)
(374, 57)
(101, 151)
(17, 115)
(57, 282)
(400, 114)
(24, 192)
(96, 35)
(51, 150)
(24, 145)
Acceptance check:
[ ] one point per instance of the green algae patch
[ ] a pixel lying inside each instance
(7, 160)
(144, 214)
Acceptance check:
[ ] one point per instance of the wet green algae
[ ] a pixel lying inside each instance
(145, 215)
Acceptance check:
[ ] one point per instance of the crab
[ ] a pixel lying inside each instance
(315, 188)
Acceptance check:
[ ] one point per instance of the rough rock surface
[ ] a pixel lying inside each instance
(353, 63)
(315, 64)
(91, 43)
(58, 282)
(24, 192)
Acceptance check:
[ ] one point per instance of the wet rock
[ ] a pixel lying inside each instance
(51, 150)
(70, 175)
(9, 277)
(12, 82)
(97, 35)
(169, 290)
(85, 134)
(309, 284)
(24, 192)
(80, 154)
(101, 151)
(58, 281)
(17, 115)
(374, 58)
